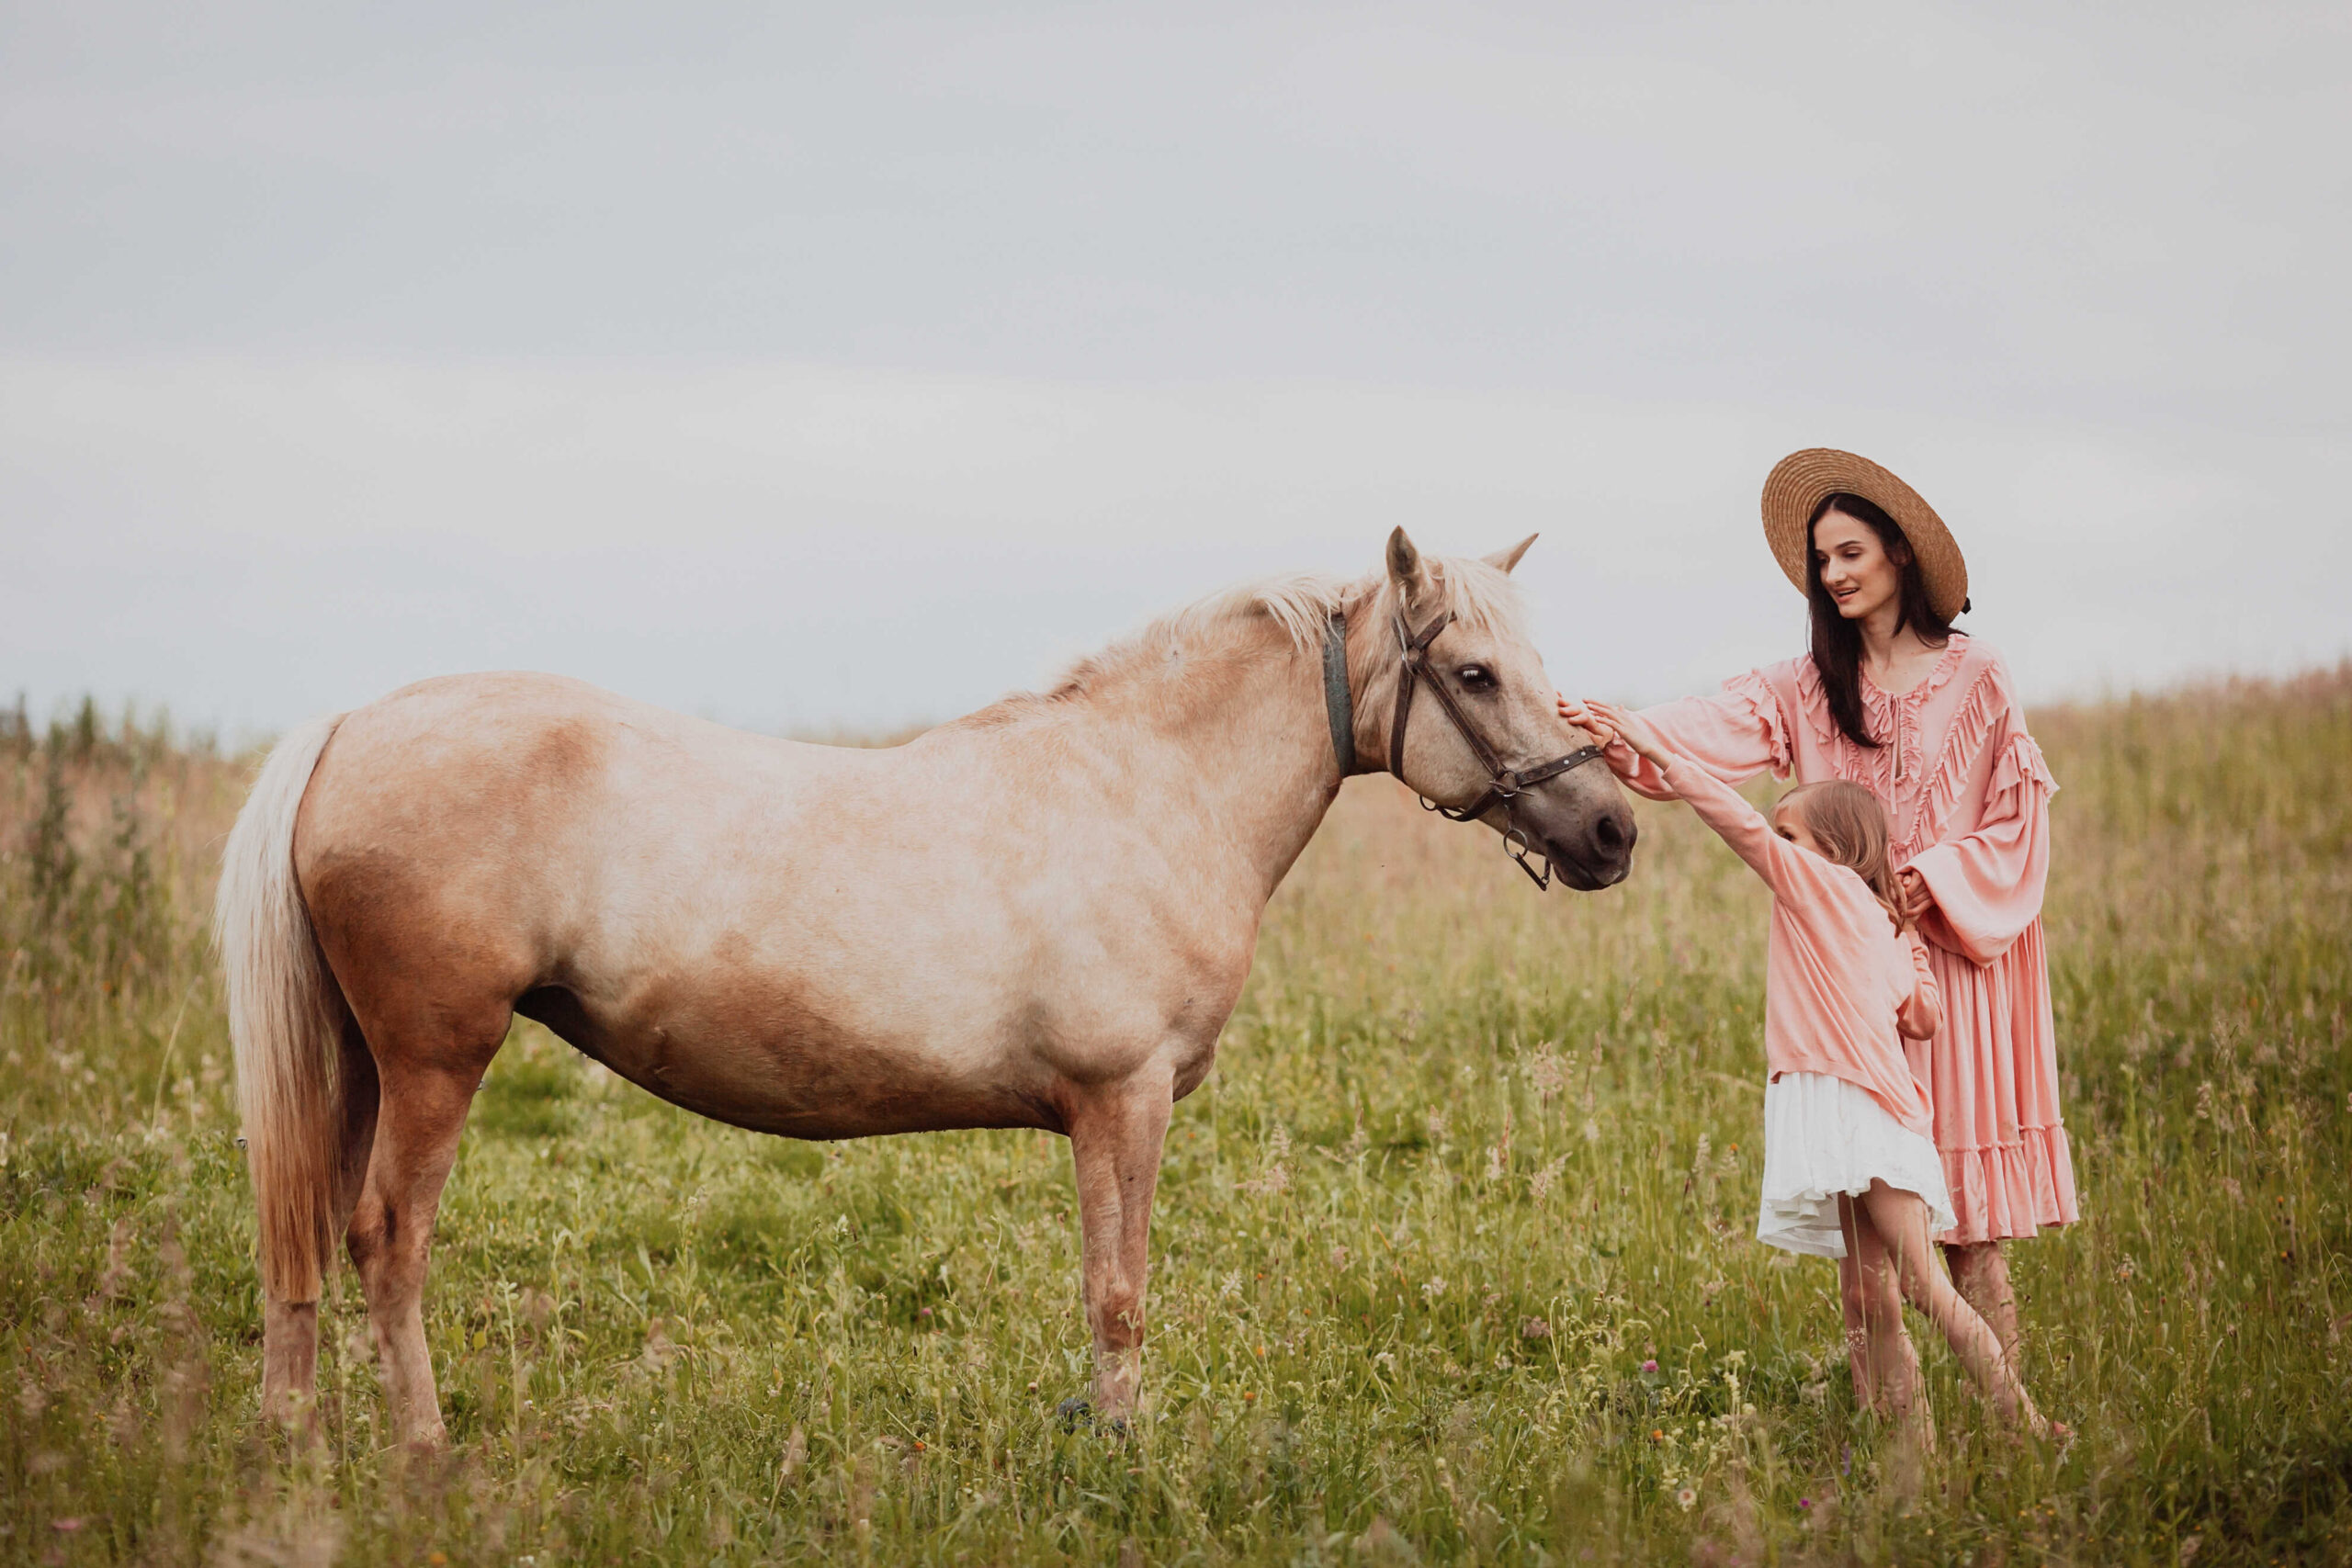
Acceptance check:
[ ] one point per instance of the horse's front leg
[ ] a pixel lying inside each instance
(1115, 1134)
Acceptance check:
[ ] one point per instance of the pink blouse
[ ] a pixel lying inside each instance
(1967, 796)
(1840, 980)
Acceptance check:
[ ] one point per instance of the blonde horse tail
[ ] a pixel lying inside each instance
(285, 1018)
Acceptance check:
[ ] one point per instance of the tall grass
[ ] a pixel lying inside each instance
(1471, 1162)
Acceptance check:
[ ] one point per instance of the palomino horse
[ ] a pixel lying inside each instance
(1037, 916)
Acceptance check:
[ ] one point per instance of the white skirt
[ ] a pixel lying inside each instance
(1824, 1135)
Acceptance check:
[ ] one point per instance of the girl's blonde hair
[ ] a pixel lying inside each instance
(1850, 826)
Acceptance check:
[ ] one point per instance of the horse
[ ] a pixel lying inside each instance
(1039, 915)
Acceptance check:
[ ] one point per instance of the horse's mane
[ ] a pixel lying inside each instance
(1299, 606)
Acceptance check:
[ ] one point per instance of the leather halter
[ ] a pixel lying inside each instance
(1504, 785)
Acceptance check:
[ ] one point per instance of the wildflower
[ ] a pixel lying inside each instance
(1805, 1502)
(1535, 1328)
(1432, 1288)
(1684, 1498)
(1540, 1184)
(1649, 1366)
(1339, 1258)
(1546, 1072)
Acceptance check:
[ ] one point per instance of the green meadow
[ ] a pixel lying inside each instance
(1471, 1159)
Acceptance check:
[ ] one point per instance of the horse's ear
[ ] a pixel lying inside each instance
(1503, 561)
(1405, 568)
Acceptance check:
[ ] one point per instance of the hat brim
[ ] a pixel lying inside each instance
(1800, 481)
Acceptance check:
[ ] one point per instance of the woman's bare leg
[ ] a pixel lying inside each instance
(1900, 1220)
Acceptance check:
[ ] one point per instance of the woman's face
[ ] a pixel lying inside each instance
(1854, 567)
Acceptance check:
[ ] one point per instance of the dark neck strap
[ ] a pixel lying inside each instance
(1339, 702)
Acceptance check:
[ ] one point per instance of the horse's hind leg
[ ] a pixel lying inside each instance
(1115, 1137)
(423, 1097)
(290, 1329)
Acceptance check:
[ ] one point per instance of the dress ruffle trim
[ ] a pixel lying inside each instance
(1814, 700)
(1883, 715)
(1756, 691)
(1963, 740)
(2011, 1189)
(2020, 763)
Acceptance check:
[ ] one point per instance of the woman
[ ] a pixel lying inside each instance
(1925, 718)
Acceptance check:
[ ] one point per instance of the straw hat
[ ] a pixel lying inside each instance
(1800, 482)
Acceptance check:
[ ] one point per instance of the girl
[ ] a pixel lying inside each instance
(1925, 718)
(1849, 1167)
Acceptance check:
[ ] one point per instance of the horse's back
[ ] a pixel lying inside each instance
(920, 931)
(462, 826)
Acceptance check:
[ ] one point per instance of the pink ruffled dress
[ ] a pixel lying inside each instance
(1968, 797)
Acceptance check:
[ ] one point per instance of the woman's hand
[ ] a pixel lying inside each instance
(1917, 896)
(1619, 725)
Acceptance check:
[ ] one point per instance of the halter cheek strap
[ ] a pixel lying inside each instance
(1504, 785)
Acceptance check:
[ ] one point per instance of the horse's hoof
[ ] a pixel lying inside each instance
(1075, 1413)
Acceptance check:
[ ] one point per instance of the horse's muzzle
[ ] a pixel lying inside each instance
(1595, 853)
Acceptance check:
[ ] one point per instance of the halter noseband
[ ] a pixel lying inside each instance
(1504, 785)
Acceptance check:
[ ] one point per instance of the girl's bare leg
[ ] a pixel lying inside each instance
(1980, 1272)
(1900, 1220)
(1849, 1301)
(1890, 1363)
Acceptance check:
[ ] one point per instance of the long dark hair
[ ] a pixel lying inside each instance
(1836, 641)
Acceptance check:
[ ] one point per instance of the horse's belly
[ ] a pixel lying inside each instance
(795, 1074)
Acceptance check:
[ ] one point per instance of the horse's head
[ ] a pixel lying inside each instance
(1481, 730)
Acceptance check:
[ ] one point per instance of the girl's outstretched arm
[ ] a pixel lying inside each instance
(1738, 824)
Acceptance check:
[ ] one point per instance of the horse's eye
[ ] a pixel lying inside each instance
(1478, 677)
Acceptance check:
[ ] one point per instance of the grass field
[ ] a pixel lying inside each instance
(1471, 1158)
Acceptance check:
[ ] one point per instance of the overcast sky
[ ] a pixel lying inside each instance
(849, 365)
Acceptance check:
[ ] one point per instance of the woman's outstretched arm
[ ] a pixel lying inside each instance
(1735, 734)
(1738, 824)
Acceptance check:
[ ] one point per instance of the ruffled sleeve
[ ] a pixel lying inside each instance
(1735, 734)
(1988, 884)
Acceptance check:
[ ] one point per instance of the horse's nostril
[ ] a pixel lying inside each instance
(1607, 833)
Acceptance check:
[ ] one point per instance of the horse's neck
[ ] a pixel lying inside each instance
(1242, 732)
